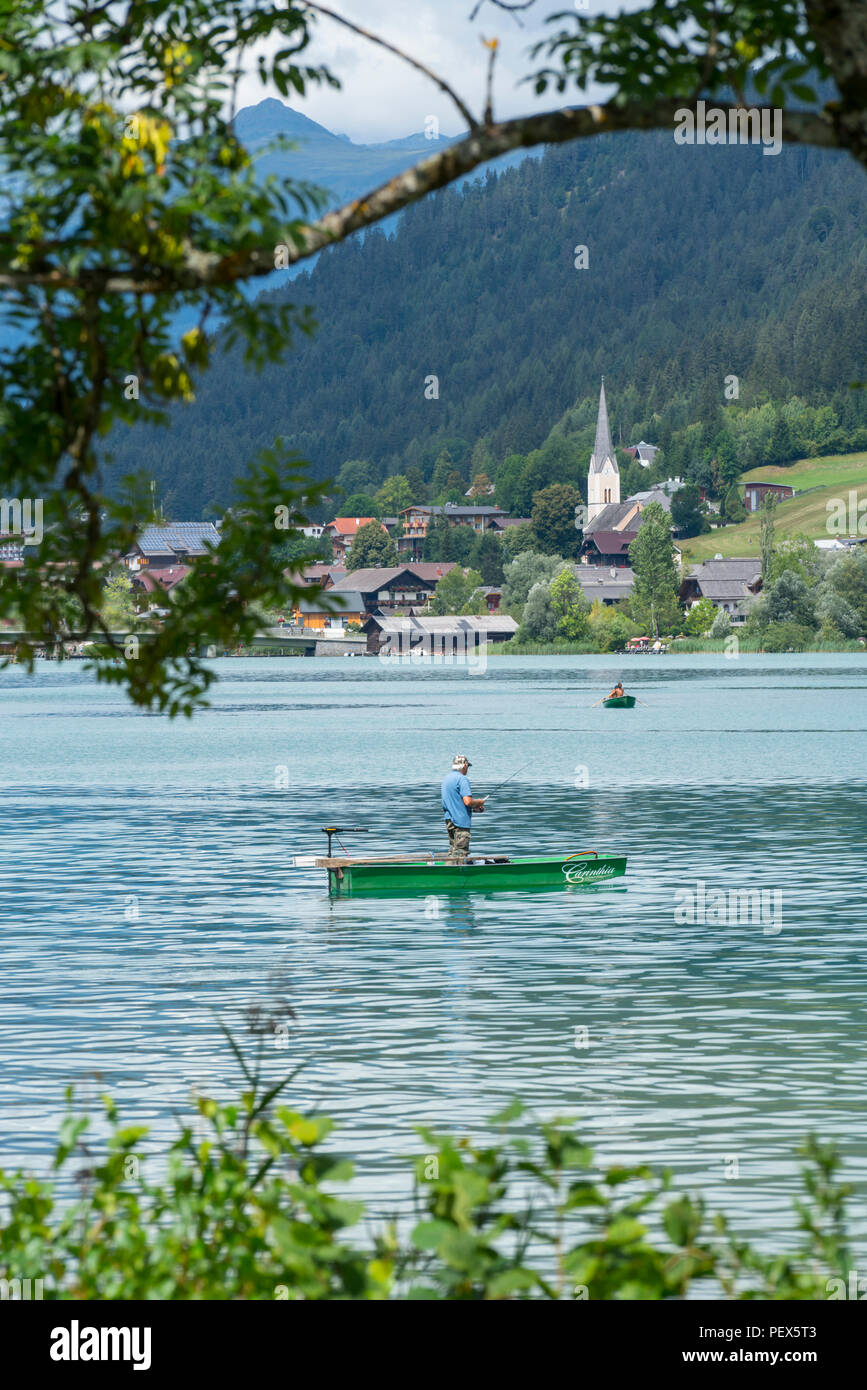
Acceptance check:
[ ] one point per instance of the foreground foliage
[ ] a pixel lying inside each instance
(251, 1206)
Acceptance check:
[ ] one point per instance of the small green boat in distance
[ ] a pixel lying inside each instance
(619, 702)
(482, 873)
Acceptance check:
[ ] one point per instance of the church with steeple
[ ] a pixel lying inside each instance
(603, 481)
(612, 525)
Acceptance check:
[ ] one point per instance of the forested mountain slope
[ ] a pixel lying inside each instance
(702, 262)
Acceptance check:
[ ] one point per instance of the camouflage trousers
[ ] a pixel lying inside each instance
(459, 843)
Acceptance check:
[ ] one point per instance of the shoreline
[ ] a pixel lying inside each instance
(688, 647)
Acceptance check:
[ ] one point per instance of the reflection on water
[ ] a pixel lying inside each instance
(147, 886)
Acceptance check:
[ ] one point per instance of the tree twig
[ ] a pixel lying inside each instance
(510, 6)
(492, 45)
(399, 53)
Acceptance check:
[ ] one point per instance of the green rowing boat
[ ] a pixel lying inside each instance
(619, 702)
(481, 873)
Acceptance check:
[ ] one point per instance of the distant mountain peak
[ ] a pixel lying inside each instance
(270, 117)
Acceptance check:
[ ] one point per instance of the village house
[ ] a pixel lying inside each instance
(398, 589)
(607, 547)
(342, 531)
(154, 580)
(335, 612)
(645, 453)
(323, 574)
(605, 585)
(178, 542)
(417, 521)
(755, 493)
(13, 549)
(731, 584)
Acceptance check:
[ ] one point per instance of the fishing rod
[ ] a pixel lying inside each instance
(508, 779)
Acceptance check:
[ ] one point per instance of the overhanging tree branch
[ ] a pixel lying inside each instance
(200, 270)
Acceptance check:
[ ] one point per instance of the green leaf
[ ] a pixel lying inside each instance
(429, 1235)
(624, 1231)
(511, 1281)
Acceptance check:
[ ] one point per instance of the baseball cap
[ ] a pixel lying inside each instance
(458, 760)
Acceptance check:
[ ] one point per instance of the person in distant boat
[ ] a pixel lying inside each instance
(616, 692)
(458, 807)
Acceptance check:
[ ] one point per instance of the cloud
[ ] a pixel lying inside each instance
(381, 97)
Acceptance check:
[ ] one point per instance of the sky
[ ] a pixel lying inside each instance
(382, 98)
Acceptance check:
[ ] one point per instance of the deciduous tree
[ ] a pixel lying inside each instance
(653, 600)
(686, 513)
(372, 547)
(527, 569)
(455, 591)
(569, 606)
(486, 556)
(700, 617)
(394, 495)
(554, 518)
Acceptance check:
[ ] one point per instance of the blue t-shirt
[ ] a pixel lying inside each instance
(456, 786)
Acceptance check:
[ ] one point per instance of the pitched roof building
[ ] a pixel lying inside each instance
(645, 453)
(400, 586)
(606, 585)
(732, 584)
(343, 530)
(164, 546)
(436, 634)
(154, 580)
(335, 611)
(319, 573)
(417, 521)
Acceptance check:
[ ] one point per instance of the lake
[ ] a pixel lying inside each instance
(147, 889)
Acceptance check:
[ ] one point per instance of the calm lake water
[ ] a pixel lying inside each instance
(146, 889)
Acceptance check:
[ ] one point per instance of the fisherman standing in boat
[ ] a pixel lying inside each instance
(458, 806)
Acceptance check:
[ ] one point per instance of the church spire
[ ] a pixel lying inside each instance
(603, 482)
(603, 449)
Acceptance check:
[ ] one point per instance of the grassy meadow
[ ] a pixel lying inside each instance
(816, 482)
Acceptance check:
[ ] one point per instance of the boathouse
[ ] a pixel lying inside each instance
(436, 634)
